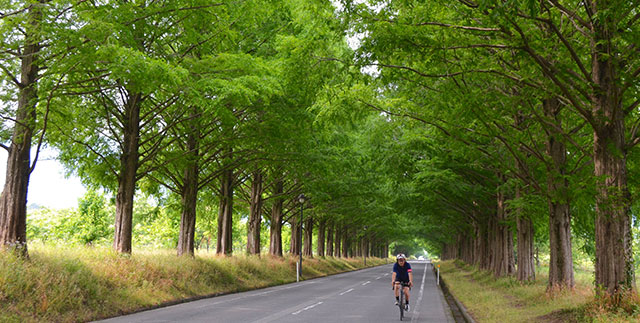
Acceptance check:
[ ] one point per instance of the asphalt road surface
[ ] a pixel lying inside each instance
(359, 296)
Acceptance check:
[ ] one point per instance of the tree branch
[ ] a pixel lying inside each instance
(547, 68)
(572, 15)
(632, 107)
(173, 10)
(46, 120)
(11, 76)
(630, 81)
(574, 55)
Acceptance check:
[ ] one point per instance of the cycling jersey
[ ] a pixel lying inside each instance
(402, 272)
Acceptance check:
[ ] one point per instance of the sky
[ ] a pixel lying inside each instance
(48, 186)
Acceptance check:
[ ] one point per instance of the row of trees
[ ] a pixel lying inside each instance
(210, 106)
(525, 117)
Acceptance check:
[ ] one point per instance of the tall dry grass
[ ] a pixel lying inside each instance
(75, 284)
(505, 299)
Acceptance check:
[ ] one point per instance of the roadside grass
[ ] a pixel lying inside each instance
(505, 299)
(77, 284)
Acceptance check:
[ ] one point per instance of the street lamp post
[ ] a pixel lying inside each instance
(301, 199)
(366, 246)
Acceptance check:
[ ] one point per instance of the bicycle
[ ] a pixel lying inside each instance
(402, 301)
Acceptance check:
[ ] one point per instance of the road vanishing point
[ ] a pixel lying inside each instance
(358, 296)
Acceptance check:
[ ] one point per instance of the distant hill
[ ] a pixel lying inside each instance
(34, 206)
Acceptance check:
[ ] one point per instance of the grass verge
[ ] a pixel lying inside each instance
(76, 284)
(505, 299)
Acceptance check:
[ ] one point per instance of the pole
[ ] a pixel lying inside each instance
(300, 246)
(365, 246)
(364, 252)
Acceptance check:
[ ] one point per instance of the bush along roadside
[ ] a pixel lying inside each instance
(76, 284)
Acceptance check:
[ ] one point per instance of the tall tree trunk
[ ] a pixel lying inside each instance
(189, 191)
(483, 248)
(255, 215)
(524, 226)
(13, 201)
(296, 246)
(511, 253)
(225, 214)
(365, 247)
(502, 250)
(129, 162)
(275, 234)
(374, 245)
(321, 237)
(560, 254)
(526, 268)
(614, 259)
(492, 232)
(330, 238)
(189, 202)
(308, 237)
(188, 217)
(480, 254)
(338, 239)
(345, 243)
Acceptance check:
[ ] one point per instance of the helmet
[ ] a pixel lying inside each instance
(400, 256)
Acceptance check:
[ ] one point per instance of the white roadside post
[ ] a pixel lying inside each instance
(297, 271)
(438, 279)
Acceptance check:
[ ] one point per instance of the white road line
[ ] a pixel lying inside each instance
(378, 277)
(346, 292)
(366, 283)
(251, 294)
(306, 308)
(416, 313)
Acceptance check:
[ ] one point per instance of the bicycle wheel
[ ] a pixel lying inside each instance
(401, 303)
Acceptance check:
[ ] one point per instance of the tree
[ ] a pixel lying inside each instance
(28, 28)
(129, 80)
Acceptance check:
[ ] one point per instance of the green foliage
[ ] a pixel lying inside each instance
(50, 225)
(95, 218)
(91, 223)
(154, 224)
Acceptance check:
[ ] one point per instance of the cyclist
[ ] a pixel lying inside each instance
(402, 276)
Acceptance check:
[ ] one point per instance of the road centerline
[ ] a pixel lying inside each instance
(351, 289)
(306, 308)
(416, 311)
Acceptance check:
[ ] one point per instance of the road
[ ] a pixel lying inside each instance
(359, 296)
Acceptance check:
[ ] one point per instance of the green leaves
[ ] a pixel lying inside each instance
(139, 72)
